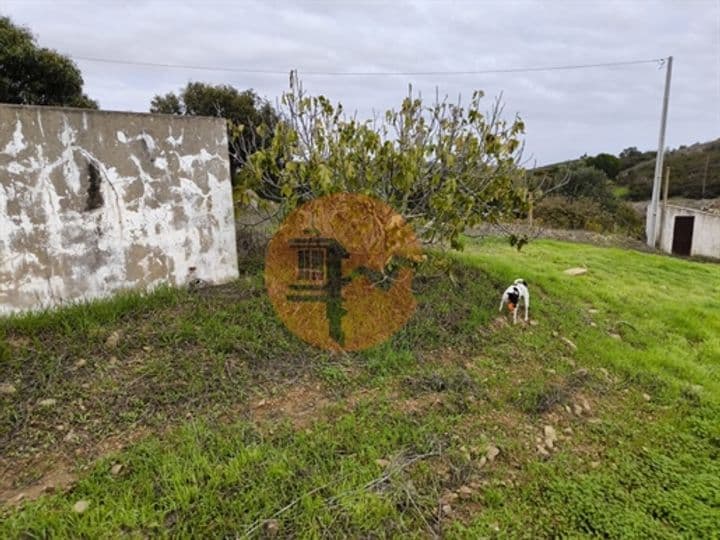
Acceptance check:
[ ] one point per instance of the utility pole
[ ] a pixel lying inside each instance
(654, 202)
(707, 164)
(663, 213)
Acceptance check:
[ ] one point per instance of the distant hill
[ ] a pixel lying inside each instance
(687, 171)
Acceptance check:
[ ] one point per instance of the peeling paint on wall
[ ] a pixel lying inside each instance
(92, 202)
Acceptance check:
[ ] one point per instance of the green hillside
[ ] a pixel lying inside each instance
(196, 414)
(687, 173)
(633, 172)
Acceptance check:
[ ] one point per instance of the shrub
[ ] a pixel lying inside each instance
(585, 213)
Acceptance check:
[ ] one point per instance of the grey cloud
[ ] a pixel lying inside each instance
(567, 113)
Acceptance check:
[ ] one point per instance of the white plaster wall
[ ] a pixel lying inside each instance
(706, 236)
(706, 231)
(166, 215)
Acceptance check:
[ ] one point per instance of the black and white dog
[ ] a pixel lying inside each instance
(512, 296)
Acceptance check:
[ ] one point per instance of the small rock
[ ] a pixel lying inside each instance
(49, 402)
(115, 470)
(465, 492)
(594, 464)
(577, 409)
(593, 324)
(382, 462)
(555, 333)
(272, 527)
(568, 431)
(80, 363)
(197, 284)
(492, 452)
(550, 436)
(113, 340)
(533, 322)
(569, 343)
(615, 336)
(549, 432)
(147, 348)
(585, 404)
(71, 437)
(499, 322)
(646, 397)
(542, 450)
(593, 311)
(7, 389)
(577, 271)
(567, 408)
(113, 360)
(482, 462)
(447, 509)
(80, 506)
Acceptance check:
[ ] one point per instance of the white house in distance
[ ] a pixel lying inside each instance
(689, 228)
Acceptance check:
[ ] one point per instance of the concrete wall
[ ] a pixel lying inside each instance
(92, 202)
(706, 231)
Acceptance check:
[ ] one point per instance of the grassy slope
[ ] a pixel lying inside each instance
(687, 167)
(250, 424)
(687, 172)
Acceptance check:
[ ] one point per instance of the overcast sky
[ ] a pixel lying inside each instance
(567, 113)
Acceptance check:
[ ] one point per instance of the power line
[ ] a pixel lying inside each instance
(658, 61)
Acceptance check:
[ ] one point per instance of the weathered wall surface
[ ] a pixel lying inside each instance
(706, 231)
(92, 202)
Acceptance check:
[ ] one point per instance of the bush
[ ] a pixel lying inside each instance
(585, 213)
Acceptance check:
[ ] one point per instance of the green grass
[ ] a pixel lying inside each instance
(243, 423)
(621, 192)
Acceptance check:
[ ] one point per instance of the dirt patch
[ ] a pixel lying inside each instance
(299, 404)
(29, 478)
(420, 404)
(57, 479)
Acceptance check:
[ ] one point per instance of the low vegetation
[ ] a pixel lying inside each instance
(694, 173)
(195, 413)
(590, 215)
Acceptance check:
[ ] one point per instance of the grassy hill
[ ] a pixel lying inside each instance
(687, 171)
(197, 414)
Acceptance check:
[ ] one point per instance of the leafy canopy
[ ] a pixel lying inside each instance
(607, 163)
(245, 111)
(444, 167)
(32, 75)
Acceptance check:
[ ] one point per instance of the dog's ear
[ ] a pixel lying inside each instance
(524, 282)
